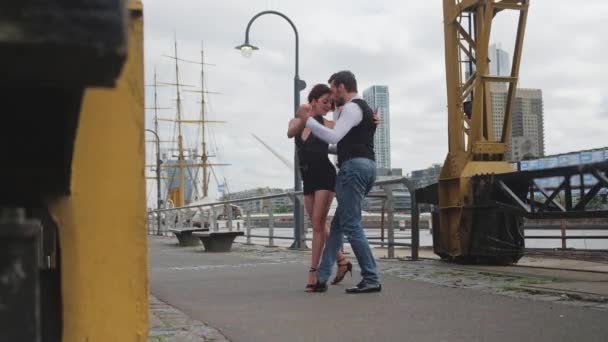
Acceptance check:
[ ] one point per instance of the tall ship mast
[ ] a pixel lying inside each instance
(176, 194)
(205, 164)
(181, 182)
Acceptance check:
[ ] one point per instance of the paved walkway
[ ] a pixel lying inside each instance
(256, 294)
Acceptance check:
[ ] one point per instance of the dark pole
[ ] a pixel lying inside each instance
(298, 85)
(158, 162)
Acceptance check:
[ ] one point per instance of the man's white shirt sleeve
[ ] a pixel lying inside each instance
(350, 117)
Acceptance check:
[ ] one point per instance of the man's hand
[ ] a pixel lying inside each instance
(376, 118)
(304, 112)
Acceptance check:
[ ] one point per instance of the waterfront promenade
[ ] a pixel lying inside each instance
(256, 293)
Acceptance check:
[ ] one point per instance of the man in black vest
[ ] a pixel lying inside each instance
(354, 133)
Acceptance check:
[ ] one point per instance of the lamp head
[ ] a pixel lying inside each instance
(246, 49)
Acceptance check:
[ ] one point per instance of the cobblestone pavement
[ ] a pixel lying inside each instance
(168, 324)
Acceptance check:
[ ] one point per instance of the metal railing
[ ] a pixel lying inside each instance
(207, 215)
(564, 228)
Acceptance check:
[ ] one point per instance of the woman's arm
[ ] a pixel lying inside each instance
(295, 127)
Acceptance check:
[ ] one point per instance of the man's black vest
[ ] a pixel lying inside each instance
(359, 141)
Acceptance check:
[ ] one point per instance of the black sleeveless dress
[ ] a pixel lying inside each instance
(318, 173)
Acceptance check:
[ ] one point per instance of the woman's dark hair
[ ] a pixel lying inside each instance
(317, 91)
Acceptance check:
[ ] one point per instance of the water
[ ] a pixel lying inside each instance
(426, 239)
(284, 236)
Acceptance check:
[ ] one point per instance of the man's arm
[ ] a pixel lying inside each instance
(350, 117)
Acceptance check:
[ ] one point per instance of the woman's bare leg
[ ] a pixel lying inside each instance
(323, 210)
(309, 201)
(317, 206)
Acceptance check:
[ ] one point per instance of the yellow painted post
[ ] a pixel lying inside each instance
(102, 224)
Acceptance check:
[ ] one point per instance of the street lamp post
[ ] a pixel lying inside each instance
(158, 162)
(298, 85)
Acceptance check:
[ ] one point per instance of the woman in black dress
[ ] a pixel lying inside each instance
(319, 177)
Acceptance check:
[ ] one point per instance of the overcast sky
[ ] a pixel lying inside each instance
(392, 42)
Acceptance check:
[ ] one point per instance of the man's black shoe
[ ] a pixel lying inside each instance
(364, 288)
(320, 287)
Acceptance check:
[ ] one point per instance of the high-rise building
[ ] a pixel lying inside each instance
(378, 98)
(527, 123)
(499, 65)
(499, 61)
(527, 138)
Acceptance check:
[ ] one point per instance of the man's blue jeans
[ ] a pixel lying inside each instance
(355, 179)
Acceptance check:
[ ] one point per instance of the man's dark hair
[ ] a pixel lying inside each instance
(346, 78)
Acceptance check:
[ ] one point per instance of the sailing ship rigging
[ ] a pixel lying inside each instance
(182, 164)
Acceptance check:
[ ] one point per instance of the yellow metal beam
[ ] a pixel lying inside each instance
(466, 36)
(455, 131)
(466, 51)
(102, 223)
(512, 6)
(519, 41)
(501, 79)
(456, 7)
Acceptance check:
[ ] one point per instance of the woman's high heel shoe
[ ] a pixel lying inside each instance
(311, 287)
(339, 277)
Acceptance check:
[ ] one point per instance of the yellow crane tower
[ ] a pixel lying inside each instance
(480, 199)
(458, 228)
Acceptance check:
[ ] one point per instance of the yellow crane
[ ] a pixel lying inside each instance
(461, 232)
(480, 200)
